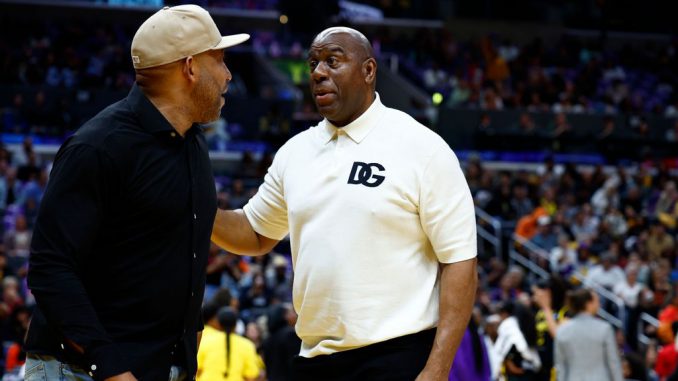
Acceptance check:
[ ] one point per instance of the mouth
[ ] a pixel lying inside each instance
(323, 97)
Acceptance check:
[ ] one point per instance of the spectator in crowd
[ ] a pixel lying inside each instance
(549, 297)
(516, 344)
(528, 225)
(18, 239)
(16, 356)
(607, 274)
(521, 203)
(282, 344)
(563, 257)
(631, 292)
(585, 347)
(471, 362)
(659, 243)
(255, 299)
(279, 279)
(606, 196)
(585, 224)
(667, 357)
(223, 354)
(667, 316)
(546, 237)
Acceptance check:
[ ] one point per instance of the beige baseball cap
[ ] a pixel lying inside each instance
(174, 33)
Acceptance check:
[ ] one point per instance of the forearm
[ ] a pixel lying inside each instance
(457, 293)
(233, 232)
(550, 321)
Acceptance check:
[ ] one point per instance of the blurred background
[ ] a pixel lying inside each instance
(564, 115)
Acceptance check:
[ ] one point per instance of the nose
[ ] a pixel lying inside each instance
(228, 75)
(319, 74)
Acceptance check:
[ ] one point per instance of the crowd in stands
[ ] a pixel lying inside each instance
(574, 75)
(613, 230)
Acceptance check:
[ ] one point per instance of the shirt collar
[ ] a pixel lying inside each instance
(150, 117)
(359, 128)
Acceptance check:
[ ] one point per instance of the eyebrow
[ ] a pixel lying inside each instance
(335, 49)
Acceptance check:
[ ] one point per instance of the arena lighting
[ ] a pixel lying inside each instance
(437, 98)
(283, 19)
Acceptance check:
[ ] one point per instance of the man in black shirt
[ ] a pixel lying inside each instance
(120, 245)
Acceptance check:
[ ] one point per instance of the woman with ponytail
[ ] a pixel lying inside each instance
(224, 355)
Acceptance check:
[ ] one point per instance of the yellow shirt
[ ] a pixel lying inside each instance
(212, 357)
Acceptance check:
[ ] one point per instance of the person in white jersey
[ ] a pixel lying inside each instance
(381, 224)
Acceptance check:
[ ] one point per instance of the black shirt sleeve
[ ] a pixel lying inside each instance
(70, 218)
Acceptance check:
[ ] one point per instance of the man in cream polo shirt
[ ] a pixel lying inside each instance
(381, 224)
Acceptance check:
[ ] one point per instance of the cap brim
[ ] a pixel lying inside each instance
(234, 39)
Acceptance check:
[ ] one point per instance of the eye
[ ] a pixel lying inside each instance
(332, 61)
(312, 64)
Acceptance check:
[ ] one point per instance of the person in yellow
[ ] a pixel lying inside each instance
(224, 355)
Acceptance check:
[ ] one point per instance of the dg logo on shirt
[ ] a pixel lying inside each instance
(361, 173)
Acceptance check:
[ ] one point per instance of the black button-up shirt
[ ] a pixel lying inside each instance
(120, 245)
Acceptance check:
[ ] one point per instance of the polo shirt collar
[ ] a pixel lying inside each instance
(359, 128)
(150, 117)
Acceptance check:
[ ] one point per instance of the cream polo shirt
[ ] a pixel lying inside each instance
(371, 208)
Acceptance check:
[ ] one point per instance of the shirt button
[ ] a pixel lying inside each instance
(62, 346)
(195, 216)
(173, 134)
(91, 374)
(194, 256)
(192, 293)
(93, 367)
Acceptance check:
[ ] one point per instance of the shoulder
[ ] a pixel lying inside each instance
(603, 326)
(211, 339)
(244, 343)
(414, 141)
(567, 329)
(102, 129)
(409, 127)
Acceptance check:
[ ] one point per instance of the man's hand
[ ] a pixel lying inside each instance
(127, 376)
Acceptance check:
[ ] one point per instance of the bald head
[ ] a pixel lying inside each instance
(360, 43)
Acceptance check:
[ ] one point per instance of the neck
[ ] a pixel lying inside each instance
(175, 110)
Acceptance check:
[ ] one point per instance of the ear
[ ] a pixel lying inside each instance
(190, 69)
(370, 70)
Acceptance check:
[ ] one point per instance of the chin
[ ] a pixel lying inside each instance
(327, 112)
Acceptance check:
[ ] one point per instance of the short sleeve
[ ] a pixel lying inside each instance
(446, 208)
(267, 210)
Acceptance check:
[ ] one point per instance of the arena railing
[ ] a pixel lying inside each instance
(483, 219)
(645, 319)
(534, 263)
